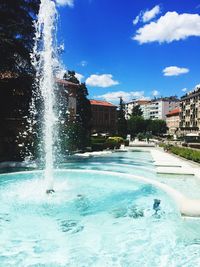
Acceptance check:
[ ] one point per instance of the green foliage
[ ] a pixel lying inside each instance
(141, 136)
(187, 153)
(121, 121)
(16, 34)
(136, 111)
(70, 77)
(114, 142)
(116, 139)
(83, 116)
(17, 74)
(74, 138)
(100, 143)
(137, 124)
(156, 127)
(98, 140)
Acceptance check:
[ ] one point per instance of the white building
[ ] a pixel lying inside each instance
(141, 102)
(190, 113)
(159, 108)
(154, 109)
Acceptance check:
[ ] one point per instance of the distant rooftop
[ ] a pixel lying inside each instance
(143, 101)
(168, 99)
(146, 101)
(173, 112)
(192, 93)
(139, 101)
(101, 103)
(65, 83)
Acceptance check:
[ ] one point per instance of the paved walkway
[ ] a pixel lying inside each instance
(170, 164)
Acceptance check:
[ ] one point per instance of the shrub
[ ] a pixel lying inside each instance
(187, 153)
(114, 142)
(141, 136)
(117, 139)
(98, 143)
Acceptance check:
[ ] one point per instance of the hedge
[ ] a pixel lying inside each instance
(100, 143)
(186, 153)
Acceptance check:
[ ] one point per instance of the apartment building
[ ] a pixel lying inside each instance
(173, 121)
(141, 102)
(160, 107)
(154, 109)
(190, 112)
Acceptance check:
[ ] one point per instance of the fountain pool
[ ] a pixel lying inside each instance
(95, 218)
(98, 216)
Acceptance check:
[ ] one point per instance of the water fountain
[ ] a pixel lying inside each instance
(95, 221)
(45, 62)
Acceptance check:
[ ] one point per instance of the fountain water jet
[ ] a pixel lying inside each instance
(45, 63)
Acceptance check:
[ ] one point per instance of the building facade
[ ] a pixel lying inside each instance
(15, 97)
(159, 108)
(154, 109)
(190, 112)
(173, 121)
(104, 117)
(67, 98)
(130, 105)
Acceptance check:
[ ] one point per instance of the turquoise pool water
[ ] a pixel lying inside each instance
(97, 217)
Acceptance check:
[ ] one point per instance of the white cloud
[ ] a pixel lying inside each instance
(79, 76)
(65, 2)
(150, 14)
(174, 71)
(184, 90)
(127, 96)
(168, 28)
(104, 80)
(155, 93)
(147, 15)
(197, 86)
(136, 20)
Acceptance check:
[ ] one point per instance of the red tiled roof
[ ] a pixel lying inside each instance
(66, 83)
(143, 101)
(101, 103)
(173, 112)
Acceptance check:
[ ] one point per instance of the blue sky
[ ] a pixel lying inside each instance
(132, 48)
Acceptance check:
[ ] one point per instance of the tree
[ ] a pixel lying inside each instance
(70, 76)
(81, 128)
(16, 35)
(121, 120)
(157, 127)
(16, 73)
(136, 124)
(136, 111)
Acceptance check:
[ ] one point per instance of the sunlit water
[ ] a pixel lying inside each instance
(44, 58)
(95, 218)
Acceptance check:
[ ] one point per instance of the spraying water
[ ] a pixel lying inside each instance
(45, 62)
